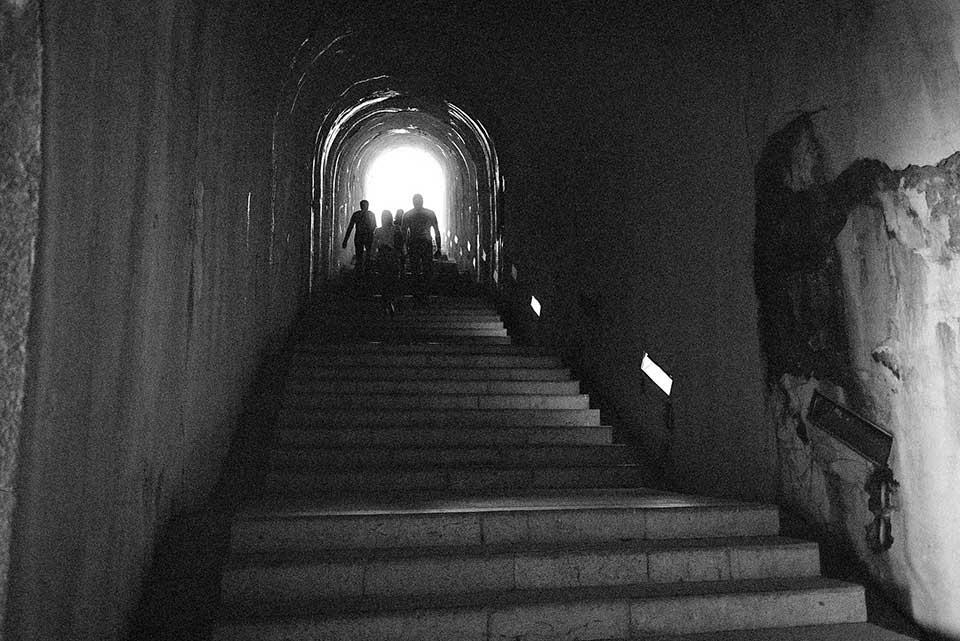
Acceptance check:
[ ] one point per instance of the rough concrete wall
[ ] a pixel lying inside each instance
(875, 247)
(156, 291)
(630, 215)
(19, 196)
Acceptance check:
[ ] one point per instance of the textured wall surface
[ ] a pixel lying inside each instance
(19, 196)
(629, 213)
(162, 276)
(857, 274)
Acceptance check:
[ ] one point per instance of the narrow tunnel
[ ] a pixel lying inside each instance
(759, 198)
(463, 161)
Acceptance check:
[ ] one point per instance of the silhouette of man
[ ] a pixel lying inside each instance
(366, 222)
(417, 225)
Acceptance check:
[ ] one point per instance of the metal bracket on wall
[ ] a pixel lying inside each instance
(873, 443)
(882, 489)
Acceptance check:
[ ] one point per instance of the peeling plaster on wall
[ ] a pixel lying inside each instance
(19, 204)
(893, 272)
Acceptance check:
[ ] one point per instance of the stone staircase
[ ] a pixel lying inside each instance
(429, 480)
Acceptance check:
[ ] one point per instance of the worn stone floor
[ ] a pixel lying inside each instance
(182, 591)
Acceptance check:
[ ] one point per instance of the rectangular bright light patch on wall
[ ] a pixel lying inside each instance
(513, 271)
(657, 375)
(535, 304)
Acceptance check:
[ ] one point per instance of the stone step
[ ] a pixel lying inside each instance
(428, 314)
(431, 360)
(370, 331)
(376, 310)
(411, 339)
(466, 478)
(396, 401)
(618, 612)
(452, 418)
(335, 458)
(298, 576)
(432, 301)
(301, 375)
(309, 348)
(406, 519)
(306, 391)
(440, 437)
(836, 632)
(398, 323)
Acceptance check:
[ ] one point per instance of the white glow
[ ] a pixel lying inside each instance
(656, 374)
(397, 174)
(535, 304)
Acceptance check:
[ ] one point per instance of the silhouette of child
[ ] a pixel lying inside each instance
(387, 248)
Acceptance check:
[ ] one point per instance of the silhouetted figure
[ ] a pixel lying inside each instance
(402, 247)
(387, 248)
(366, 222)
(417, 224)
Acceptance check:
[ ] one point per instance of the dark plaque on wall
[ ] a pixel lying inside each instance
(864, 437)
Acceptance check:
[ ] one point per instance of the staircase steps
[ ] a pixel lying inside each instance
(411, 332)
(415, 519)
(380, 347)
(412, 336)
(619, 612)
(429, 480)
(456, 478)
(443, 437)
(500, 361)
(452, 418)
(440, 401)
(388, 373)
(462, 322)
(394, 572)
(330, 458)
(309, 393)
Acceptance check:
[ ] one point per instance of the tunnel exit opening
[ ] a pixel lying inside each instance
(397, 173)
(386, 147)
(340, 108)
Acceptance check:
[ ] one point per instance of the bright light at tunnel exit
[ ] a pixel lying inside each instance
(396, 174)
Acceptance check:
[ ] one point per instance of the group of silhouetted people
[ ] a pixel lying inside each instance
(399, 241)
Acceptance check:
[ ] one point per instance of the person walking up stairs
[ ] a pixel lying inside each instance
(430, 480)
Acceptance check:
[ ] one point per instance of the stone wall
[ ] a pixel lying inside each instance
(629, 215)
(162, 277)
(19, 204)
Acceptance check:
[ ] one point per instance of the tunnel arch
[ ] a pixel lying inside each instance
(345, 103)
